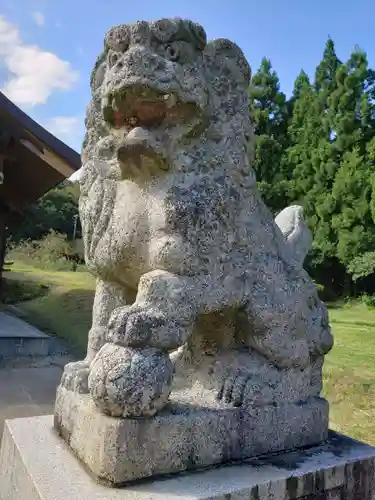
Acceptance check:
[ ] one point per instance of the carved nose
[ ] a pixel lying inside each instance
(141, 60)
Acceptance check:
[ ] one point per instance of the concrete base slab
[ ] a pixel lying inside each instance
(182, 437)
(36, 465)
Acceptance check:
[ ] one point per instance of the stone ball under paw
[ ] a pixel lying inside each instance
(127, 382)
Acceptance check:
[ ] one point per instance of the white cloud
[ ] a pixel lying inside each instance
(9, 36)
(38, 18)
(64, 127)
(33, 73)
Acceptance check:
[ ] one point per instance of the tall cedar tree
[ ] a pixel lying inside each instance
(270, 115)
(309, 155)
(311, 161)
(324, 161)
(352, 122)
(331, 130)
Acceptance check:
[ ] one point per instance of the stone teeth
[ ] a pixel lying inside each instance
(171, 101)
(133, 121)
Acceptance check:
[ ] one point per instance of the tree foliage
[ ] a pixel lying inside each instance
(362, 266)
(270, 111)
(55, 211)
(318, 149)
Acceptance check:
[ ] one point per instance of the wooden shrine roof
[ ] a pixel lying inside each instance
(32, 160)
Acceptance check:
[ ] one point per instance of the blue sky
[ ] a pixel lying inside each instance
(48, 47)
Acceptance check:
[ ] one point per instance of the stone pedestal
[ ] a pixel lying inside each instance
(35, 464)
(182, 437)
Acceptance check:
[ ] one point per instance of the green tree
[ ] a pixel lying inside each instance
(54, 211)
(305, 132)
(270, 115)
(351, 105)
(362, 266)
(351, 119)
(325, 74)
(352, 223)
(312, 160)
(342, 166)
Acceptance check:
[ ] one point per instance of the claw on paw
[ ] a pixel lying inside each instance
(243, 390)
(232, 390)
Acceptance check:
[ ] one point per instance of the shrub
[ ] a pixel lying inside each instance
(54, 251)
(368, 300)
(362, 266)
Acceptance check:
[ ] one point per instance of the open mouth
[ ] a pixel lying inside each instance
(142, 117)
(140, 106)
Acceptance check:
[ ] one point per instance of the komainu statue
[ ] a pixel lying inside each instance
(206, 332)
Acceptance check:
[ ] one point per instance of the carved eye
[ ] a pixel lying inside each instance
(172, 52)
(117, 39)
(180, 51)
(113, 57)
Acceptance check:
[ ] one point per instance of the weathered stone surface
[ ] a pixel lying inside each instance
(190, 263)
(37, 466)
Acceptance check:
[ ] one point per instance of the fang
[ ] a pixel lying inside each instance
(171, 101)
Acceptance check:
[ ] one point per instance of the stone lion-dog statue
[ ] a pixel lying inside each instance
(201, 295)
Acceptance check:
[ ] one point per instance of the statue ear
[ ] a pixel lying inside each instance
(224, 56)
(98, 72)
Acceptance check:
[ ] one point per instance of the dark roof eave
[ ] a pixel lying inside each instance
(52, 142)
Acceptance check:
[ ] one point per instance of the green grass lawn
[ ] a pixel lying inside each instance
(349, 373)
(66, 309)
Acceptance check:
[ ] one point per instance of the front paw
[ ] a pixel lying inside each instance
(75, 377)
(135, 326)
(116, 328)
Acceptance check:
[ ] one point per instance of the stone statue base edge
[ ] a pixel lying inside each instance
(35, 464)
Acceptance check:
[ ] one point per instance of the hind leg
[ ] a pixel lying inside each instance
(277, 315)
(244, 378)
